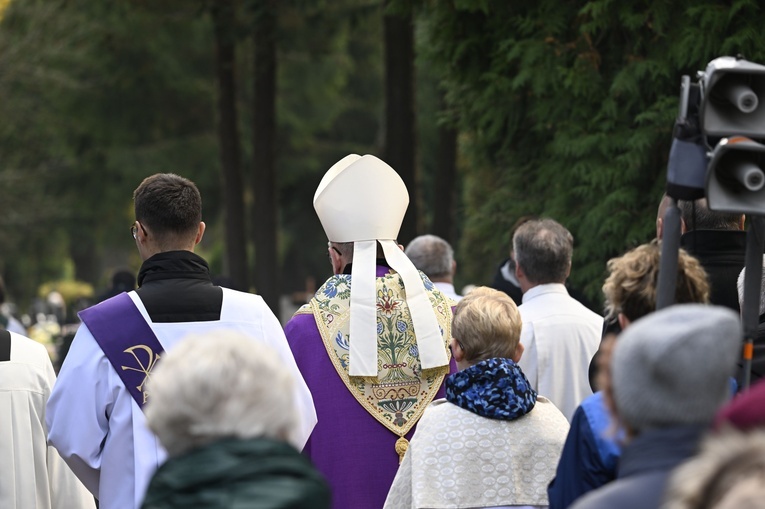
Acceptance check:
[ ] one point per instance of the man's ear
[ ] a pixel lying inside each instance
(519, 272)
(454, 267)
(659, 228)
(336, 260)
(200, 232)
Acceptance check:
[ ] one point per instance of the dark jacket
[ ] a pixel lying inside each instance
(504, 281)
(722, 254)
(646, 464)
(590, 455)
(238, 474)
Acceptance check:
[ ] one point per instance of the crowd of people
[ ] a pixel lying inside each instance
(388, 389)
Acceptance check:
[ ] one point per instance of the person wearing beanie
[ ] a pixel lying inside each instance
(670, 373)
(373, 353)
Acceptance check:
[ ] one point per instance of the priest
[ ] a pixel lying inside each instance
(372, 344)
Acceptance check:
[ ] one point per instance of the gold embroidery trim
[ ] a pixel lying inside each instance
(356, 385)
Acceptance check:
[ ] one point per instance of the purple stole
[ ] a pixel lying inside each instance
(127, 341)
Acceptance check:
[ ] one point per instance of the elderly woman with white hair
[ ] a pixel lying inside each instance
(223, 408)
(493, 442)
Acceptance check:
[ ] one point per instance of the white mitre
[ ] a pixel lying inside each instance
(363, 200)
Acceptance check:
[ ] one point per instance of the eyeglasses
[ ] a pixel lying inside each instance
(134, 230)
(333, 248)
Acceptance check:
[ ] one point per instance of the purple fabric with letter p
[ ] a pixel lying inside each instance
(127, 341)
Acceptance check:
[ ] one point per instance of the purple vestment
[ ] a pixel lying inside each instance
(350, 447)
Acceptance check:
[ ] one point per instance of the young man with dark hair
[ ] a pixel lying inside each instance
(95, 413)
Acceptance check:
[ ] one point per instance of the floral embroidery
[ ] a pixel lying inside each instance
(386, 303)
(330, 289)
(342, 341)
(401, 391)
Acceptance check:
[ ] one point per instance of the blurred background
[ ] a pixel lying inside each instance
(489, 109)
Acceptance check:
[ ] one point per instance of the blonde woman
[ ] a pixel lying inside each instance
(493, 442)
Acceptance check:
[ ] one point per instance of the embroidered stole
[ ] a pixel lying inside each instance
(127, 341)
(397, 397)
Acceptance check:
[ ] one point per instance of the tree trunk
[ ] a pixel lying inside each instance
(228, 139)
(264, 170)
(400, 122)
(444, 184)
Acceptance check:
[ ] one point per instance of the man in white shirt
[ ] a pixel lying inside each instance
(560, 335)
(435, 257)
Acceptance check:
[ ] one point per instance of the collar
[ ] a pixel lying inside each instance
(230, 464)
(660, 449)
(713, 240)
(508, 271)
(382, 267)
(546, 288)
(173, 265)
(441, 285)
(494, 388)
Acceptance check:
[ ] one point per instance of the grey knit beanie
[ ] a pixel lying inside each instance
(674, 366)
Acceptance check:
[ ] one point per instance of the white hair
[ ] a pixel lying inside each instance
(432, 255)
(740, 287)
(219, 385)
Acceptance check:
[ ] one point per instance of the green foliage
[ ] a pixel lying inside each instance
(567, 111)
(329, 105)
(96, 96)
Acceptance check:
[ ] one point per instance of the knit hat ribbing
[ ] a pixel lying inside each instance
(673, 367)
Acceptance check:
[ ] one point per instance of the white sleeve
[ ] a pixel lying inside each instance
(76, 413)
(66, 491)
(529, 362)
(273, 335)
